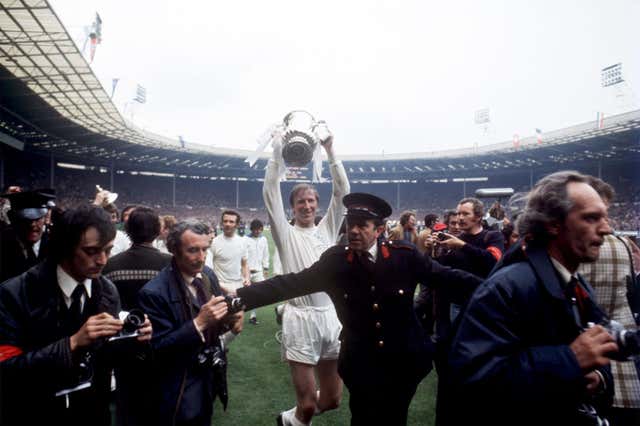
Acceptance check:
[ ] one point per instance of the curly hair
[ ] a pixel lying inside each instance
(547, 202)
(405, 216)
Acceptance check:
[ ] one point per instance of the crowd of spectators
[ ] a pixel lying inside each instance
(206, 199)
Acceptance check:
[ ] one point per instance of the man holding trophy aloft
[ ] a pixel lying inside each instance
(310, 328)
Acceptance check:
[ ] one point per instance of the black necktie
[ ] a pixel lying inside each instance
(200, 293)
(210, 335)
(75, 310)
(32, 259)
(367, 261)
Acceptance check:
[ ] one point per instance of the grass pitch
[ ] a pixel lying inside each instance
(260, 384)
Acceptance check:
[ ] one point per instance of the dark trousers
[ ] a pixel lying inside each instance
(443, 411)
(381, 406)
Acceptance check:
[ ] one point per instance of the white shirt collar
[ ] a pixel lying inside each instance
(36, 247)
(562, 270)
(188, 280)
(373, 252)
(67, 283)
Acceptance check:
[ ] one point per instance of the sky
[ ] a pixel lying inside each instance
(387, 76)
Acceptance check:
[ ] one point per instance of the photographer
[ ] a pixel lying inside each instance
(525, 351)
(55, 363)
(474, 250)
(186, 307)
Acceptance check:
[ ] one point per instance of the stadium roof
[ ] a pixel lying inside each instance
(51, 102)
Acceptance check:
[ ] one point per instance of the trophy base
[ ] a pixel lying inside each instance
(298, 150)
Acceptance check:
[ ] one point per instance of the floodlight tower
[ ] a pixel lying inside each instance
(616, 88)
(482, 119)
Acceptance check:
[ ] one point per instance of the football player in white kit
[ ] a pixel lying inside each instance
(310, 327)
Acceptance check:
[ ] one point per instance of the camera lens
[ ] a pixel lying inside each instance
(133, 321)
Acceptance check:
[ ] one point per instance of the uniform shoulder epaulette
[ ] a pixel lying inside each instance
(337, 249)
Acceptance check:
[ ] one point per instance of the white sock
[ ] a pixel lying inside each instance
(280, 309)
(289, 418)
(253, 314)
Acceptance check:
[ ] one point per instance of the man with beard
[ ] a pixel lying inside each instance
(22, 244)
(406, 228)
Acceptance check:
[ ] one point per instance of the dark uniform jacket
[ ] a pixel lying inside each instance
(132, 269)
(14, 258)
(478, 256)
(184, 389)
(510, 361)
(383, 343)
(36, 355)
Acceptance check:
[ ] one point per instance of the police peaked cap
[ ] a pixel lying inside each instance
(366, 206)
(31, 205)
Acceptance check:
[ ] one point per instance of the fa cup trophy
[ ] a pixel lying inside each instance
(109, 197)
(300, 137)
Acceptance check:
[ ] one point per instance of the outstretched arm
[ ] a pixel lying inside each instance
(284, 287)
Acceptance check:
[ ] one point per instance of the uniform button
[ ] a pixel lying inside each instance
(346, 296)
(381, 343)
(346, 248)
(375, 307)
(400, 292)
(378, 325)
(373, 288)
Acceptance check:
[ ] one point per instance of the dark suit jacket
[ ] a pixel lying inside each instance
(31, 318)
(510, 361)
(13, 260)
(184, 389)
(383, 344)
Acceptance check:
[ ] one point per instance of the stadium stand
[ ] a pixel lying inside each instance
(54, 111)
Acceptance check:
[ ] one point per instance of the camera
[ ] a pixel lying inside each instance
(212, 356)
(132, 321)
(442, 236)
(628, 341)
(234, 304)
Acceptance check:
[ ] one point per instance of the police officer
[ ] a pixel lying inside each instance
(23, 244)
(385, 353)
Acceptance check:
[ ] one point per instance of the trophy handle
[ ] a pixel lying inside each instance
(321, 132)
